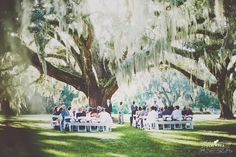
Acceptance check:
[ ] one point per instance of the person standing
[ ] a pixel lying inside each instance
(108, 106)
(121, 113)
(133, 112)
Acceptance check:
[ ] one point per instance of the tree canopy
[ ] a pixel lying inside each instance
(97, 45)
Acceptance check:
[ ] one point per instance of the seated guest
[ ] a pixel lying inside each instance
(171, 108)
(139, 110)
(73, 112)
(94, 113)
(70, 112)
(105, 117)
(143, 112)
(99, 109)
(167, 111)
(55, 113)
(187, 111)
(88, 114)
(55, 123)
(160, 112)
(81, 113)
(64, 112)
(176, 114)
(141, 116)
(152, 115)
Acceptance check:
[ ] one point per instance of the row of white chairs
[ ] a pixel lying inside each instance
(164, 123)
(82, 124)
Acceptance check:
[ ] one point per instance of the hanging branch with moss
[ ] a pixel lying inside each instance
(39, 32)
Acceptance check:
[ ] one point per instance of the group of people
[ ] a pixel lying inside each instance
(103, 113)
(61, 114)
(153, 112)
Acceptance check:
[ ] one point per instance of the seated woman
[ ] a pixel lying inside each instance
(55, 113)
(55, 118)
(187, 113)
(81, 113)
(88, 114)
(141, 116)
(94, 113)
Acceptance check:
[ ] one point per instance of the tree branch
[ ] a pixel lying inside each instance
(56, 56)
(212, 35)
(69, 78)
(110, 88)
(90, 30)
(59, 74)
(194, 79)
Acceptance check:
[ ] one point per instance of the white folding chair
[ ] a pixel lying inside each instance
(94, 125)
(82, 124)
(67, 123)
(55, 121)
(178, 125)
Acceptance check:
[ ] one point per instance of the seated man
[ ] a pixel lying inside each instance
(65, 116)
(152, 116)
(176, 114)
(167, 111)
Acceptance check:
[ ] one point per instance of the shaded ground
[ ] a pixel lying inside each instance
(17, 140)
(27, 136)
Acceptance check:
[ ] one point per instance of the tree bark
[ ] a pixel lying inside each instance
(6, 108)
(225, 95)
(226, 111)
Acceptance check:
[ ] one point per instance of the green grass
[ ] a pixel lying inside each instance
(29, 137)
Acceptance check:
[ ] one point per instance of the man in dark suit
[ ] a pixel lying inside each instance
(108, 106)
(133, 112)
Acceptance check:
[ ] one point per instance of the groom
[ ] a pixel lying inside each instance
(108, 106)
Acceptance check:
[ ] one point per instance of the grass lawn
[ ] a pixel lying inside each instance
(28, 137)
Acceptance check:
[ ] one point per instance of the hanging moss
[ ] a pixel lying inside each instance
(177, 3)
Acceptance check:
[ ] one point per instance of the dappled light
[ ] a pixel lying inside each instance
(117, 78)
(122, 141)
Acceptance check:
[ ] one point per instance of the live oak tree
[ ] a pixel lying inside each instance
(217, 49)
(196, 38)
(79, 63)
(78, 43)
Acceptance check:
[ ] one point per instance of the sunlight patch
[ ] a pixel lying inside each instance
(50, 133)
(58, 152)
(172, 136)
(217, 134)
(102, 135)
(180, 139)
(116, 155)
(54, 142)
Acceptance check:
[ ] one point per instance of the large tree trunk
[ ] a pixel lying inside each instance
(226, 111)
(6, 108)
(226, 103)
(97, 96)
